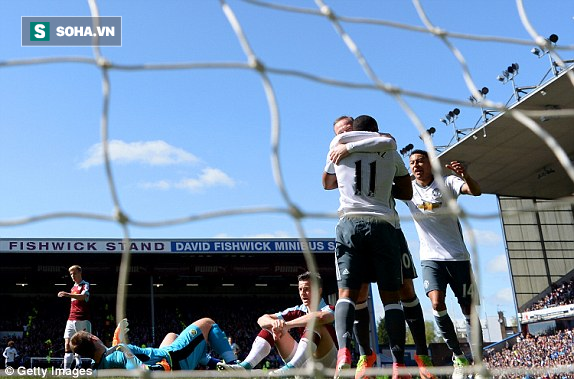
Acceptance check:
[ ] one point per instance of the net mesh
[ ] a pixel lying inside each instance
(343, 26)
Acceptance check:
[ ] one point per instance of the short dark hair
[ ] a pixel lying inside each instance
(307, 275)
(344, 117)
(365, 123)
(419, 151)
(82, 344)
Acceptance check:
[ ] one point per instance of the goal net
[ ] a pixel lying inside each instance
(228, 108)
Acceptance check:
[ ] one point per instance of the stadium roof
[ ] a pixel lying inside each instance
(507, 159)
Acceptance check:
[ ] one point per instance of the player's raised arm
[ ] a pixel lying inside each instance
(367, 145)
(470, 186)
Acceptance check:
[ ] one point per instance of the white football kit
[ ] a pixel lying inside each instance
(363, 179)
(440, 233)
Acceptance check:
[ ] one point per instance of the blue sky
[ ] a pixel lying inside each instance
(190, 141)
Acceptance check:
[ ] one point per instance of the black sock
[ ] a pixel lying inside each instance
(396, 329)
(415, 320)
(446, 328)
(344, 318)
(361, 329)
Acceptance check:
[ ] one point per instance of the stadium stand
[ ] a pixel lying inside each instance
(561, 294)
(542, 351)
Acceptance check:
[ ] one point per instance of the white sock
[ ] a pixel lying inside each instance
(78, 360)
(68, 359)
(292, 353)
(259, 350)
(304, 351)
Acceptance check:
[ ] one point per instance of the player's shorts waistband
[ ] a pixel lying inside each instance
(364, 217)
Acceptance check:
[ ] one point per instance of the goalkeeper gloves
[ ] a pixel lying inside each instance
(121, 332)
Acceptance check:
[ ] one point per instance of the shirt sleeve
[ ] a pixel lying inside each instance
(353, 136)
(289, 314)
(400, 165)
(329, 167)
(132, 362)
(455, 183)
(86, 291)
(120, 356)
(328, 308)
(372, 145)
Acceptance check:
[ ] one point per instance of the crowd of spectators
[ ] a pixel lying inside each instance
(562, 294)
(531, 353)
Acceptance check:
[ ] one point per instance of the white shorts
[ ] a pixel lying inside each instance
(77, 326)
(329, 360)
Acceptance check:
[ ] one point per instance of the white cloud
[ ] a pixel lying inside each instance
(498, 264)
(483, 237)
(209, 177)
(159, 185)
(154, 153)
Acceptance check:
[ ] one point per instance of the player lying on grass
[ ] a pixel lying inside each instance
(185, 351)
